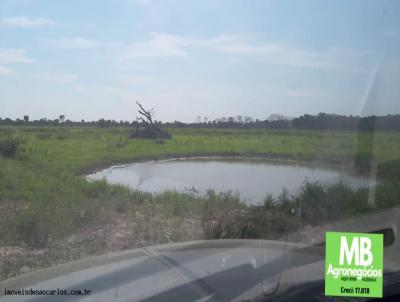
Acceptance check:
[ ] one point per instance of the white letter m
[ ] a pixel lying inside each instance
(349, 253)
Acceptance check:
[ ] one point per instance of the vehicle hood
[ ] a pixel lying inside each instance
(221, 270)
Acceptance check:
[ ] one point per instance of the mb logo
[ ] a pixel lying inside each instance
(359, 250)
(353, 264)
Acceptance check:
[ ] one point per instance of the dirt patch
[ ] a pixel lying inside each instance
(120, 233)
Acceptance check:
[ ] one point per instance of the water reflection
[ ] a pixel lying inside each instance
(251, 178)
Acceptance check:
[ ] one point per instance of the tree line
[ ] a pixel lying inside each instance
(321, 121)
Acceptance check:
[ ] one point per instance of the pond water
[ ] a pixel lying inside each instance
(253, 179)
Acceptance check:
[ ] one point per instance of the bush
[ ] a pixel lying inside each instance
(61, 136)
(389, 171)
(9, 146)
(312, 202)
(32, 230)
(44, 136)
(316, 204)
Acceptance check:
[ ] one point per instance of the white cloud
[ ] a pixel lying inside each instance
(95, 90)
(300, 93)
(5, 71)
(25, 22)
(166, 45)
(60, 78)
(73, 43)
(130, 79)
(142, 2)
(159, 45)
(12, 56)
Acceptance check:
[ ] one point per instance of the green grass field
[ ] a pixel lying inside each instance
(51, 214)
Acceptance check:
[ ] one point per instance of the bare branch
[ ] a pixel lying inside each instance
(152, 130)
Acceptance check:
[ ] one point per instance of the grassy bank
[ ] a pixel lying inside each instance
(50, 214)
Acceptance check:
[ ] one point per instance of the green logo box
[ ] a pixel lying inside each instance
(353, 264)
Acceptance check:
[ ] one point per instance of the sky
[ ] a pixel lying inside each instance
(92, 59)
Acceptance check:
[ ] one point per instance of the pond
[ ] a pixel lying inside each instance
(253, 179)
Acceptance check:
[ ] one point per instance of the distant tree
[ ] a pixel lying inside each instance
(26, 118)
(62, 118)
(102, 123)
(248, 119)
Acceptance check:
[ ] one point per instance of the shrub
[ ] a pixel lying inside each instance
(389, 171)
(312, 203)
(44, 136)
(61, 136)
(9, 146)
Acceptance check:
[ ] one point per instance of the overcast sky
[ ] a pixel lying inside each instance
(95, 58)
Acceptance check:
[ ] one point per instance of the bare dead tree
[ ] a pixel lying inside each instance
(148, 128)
(148, 114)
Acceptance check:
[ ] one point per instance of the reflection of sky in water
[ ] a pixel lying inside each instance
(253, 179)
